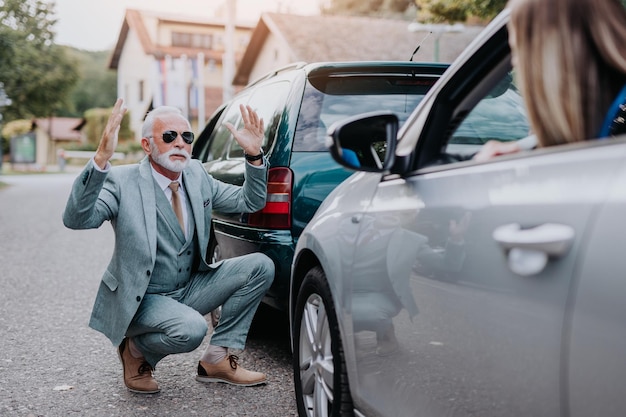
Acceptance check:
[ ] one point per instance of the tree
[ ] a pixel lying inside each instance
(37, 75)
(97, 85)
(458, 10)
(368, 7)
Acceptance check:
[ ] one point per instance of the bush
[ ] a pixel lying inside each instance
(96, 120)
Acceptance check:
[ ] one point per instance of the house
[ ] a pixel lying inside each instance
(281, 39)
(40, 146)
(172, 60)
(176, 60)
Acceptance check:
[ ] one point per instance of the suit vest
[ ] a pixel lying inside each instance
(175, 254)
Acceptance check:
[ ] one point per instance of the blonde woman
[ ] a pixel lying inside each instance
(570, 60)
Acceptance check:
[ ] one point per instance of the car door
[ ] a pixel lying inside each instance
(462, 277)
(597, 328)
(484, 336)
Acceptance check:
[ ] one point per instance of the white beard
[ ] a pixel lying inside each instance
(164, 160)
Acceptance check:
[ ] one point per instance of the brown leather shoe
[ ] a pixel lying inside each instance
(137, 372)
(229, 371)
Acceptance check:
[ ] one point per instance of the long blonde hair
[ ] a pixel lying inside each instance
(570, 58)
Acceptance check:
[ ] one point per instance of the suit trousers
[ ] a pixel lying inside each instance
(174, 322)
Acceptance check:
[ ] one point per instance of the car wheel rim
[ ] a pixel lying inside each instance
(316, 358)
(216, 254)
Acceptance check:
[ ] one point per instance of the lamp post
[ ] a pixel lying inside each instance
(4, 101)
(438, 30)
(228, 60)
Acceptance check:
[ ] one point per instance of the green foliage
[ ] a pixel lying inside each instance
(486, 9)
(31, 20)
(457, 10)
(427, 10)
(37, 74)
(97, 85)
(368, 7)
(449, 11)
(17, 127)
(96, 120)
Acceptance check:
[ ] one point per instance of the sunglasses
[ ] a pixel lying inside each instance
(170, 135)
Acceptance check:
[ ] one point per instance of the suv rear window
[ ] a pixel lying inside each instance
(329, 99)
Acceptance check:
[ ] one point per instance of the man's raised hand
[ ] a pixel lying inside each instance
(250, 137)
(108, 142)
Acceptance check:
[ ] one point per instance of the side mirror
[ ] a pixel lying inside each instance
(365, 142)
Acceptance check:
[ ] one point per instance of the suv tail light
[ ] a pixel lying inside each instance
(277, 211)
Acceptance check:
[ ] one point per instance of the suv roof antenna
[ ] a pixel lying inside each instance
(419, 45)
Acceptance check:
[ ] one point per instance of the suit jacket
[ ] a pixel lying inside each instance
(125, 196)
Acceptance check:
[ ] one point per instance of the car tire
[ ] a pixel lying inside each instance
(320, 377)
(213, 255)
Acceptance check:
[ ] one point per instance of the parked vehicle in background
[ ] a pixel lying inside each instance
(429, 284)
(298, 103)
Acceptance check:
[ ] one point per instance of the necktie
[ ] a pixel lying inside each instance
(178, 208)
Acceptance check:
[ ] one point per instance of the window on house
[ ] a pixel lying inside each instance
(181, 39)
(192, 40)
(202, 41)
(141, 90)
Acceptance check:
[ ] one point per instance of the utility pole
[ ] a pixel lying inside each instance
(4, 101)
(228, 60)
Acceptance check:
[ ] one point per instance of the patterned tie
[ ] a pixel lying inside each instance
(178, 208)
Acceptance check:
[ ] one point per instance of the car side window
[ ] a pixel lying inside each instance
(221, 135)
(499, 115)
(268, 101)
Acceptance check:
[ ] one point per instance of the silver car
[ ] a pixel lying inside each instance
(428, 284)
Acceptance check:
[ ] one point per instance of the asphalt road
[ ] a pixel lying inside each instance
(52, 364)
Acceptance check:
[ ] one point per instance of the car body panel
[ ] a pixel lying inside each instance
(595, 364)
(490, 335)
(316, 175)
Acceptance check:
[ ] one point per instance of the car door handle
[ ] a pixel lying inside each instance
(551, 238)
(528, 249)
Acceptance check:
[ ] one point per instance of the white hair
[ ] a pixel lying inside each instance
(156, 113)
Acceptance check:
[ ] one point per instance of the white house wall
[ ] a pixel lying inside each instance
(171, 80)
(273, 55)
(132, 74)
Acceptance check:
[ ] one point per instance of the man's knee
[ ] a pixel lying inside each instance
(264, 265)
(191, 332)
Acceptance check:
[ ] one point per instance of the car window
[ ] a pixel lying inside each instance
(221, 135)
(500, 115)
(268, 101)
(331, 99)
(200, 148)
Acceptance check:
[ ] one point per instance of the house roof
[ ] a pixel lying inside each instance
(349, 38)
(60, 128)
(136, 20)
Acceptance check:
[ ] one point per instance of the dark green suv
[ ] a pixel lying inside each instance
(298, 103)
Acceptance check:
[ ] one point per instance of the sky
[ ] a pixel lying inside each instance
(95, 25)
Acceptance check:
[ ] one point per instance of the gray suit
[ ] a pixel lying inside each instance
(126, 197)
